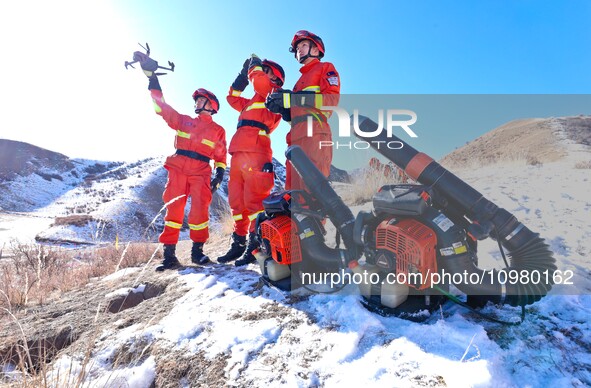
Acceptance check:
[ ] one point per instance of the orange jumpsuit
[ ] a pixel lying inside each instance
(250, 148)
(321, 78)
(202, 139)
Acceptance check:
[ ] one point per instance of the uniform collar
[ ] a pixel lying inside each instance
(205, 118)
(306, 68)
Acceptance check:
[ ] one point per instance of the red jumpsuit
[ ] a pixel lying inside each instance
(200, 138)
(321, 78)
(250, 148)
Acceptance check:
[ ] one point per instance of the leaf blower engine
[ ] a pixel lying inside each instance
(406, 253)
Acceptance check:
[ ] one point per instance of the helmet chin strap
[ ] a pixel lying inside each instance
(303, 59)
(199, 110)
(277, 82)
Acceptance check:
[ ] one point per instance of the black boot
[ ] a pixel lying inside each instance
(248, 257)
(170, 261)
(197, 256)
(236, 250)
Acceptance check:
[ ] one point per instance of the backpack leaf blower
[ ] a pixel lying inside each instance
(418, 240)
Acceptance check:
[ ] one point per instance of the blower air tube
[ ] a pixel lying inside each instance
(527, 251)
(337, 211)
(314, 249)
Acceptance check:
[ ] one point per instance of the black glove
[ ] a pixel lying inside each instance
(245, 67)
(255, 61)
(286, 115)
(240, 83)
(153, 83)
(219, 177)
(279, 101)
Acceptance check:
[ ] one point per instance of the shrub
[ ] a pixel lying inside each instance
(584, 165)
(37, 272)
(76, 220)
(365, 184)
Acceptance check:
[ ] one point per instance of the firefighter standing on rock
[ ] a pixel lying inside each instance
(197, 141)
(251, 175)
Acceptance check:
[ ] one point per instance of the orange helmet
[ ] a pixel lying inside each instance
(303, 35)
(215, 104)
(276, 69)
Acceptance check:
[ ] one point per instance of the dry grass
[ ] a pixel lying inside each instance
(76, 220)
(511, 159)
(223, 223)
(583, 165)
(364, 186)
(36, 273)
(33, 276)
(175, 367)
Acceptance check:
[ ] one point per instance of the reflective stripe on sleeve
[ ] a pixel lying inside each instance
(256, 105)
(263, 133)
(156, 106)
(237, 217)
(220, 164)
(186, 135)
(208, 143)
(313, 88)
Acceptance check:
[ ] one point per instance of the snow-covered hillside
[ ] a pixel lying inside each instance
(50, 198)
(218, 326)
(93, 201)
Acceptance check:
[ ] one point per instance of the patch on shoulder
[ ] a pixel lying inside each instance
(334, 81)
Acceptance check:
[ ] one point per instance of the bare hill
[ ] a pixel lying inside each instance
(535, 140)
(21, 159)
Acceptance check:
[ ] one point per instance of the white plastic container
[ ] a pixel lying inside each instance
(261, 260)
(366, 270)
(274, 271)
(393, 294)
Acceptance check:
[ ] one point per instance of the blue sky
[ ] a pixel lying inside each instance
(67, 89)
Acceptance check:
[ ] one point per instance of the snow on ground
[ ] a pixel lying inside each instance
(25, 226)
(266, 337)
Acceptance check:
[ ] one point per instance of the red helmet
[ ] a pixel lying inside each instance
(276, 69)
(215, 104)
(303, 35)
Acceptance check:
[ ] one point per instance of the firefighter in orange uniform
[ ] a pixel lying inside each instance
(197, 141)
(319, 85)
(251, 175)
